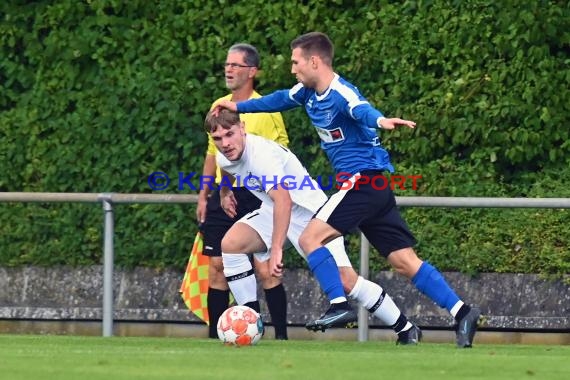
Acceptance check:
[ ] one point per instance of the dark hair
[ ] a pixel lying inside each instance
(224, 118)
(250, 54)
(315, 43)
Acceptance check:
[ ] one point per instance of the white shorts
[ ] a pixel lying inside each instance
(261, 220)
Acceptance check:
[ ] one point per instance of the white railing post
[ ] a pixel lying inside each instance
(364, 272)
(108, 264)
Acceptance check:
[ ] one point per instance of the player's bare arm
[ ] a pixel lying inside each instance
(209, 170)
(391, 123)
(227, 104)
(282, 205)
(227, 198)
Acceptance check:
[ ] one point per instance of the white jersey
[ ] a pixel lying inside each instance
(265, 164)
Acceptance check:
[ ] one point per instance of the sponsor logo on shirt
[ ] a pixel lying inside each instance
(332, 135)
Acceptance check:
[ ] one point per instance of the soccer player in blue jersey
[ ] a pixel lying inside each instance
(347, 123)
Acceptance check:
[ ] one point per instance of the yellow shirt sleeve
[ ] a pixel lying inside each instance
(268, 125)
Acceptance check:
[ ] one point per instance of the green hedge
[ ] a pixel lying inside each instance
(96, 95)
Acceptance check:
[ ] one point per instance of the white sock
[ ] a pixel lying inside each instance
(240, 276)
(455, 309)
(369, 295)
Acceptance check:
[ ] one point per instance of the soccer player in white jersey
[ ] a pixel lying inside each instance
(290, 198)
(240, 70)
(347, 123)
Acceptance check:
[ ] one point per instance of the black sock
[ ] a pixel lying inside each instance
(254, 305)
(277, 304)
(463, 311)
(340, 305)
(218, 302)
(400, 323)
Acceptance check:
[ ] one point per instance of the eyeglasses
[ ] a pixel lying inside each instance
(236, 65)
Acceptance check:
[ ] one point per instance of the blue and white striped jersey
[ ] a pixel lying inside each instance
(343, 118)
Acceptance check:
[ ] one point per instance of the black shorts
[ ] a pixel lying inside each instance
(372, 209)
(218, 222)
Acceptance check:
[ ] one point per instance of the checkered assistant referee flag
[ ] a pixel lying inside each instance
(194, 288)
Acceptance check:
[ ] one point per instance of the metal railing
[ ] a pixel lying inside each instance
(108, 199)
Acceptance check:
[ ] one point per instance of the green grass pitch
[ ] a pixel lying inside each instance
(88, 358)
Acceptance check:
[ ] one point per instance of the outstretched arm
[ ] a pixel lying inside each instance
(275, 102)
(374, 118)
(392, 123)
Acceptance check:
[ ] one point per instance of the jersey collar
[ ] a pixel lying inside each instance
(328, 90)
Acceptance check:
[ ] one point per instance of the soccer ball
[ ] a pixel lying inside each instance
(240, 326)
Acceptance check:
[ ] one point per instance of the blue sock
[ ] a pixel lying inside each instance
(431, 283)
(325, 270)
